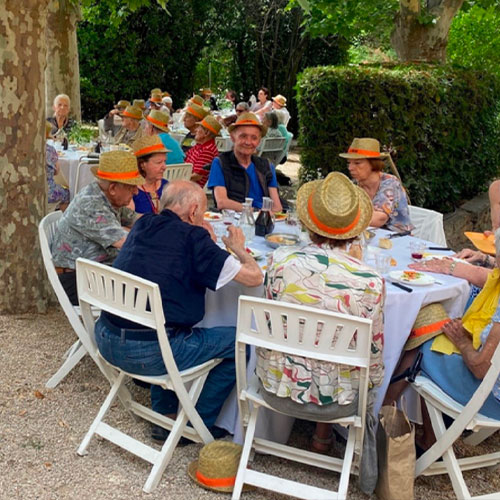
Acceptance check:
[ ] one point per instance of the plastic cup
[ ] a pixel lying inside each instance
(382, 263)
(417, 249)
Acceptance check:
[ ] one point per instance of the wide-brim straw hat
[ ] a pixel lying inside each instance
(216, 466)
(211, 124)
(133, 112)
(197, 111)
(156, 98)
(148, 145)
(197, 99)
(159, 119)
(334, 207)
(139, 103)
(248, 120)
(429, 324)
(155, 91)
(281, 100)
(364, 148)
(122, 104)
(166, 94)
(118, 166)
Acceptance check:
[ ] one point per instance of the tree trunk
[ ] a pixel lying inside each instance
(22, 155)
(421, 34)
(62, 73)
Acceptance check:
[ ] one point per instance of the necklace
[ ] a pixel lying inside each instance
(153, 198)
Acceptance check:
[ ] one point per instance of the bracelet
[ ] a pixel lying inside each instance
(452, 267)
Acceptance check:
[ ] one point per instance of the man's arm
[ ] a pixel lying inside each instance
(273, 193)
(223, 202)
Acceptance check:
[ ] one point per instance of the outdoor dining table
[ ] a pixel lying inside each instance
(68, 163)
(400, 311)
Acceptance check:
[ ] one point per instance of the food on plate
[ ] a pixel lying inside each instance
(411, 275)
(385, 243)
(212, 216)
(279, 216)
(254, 253)
(281, 240)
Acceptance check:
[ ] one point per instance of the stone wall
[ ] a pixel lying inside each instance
(474, 215)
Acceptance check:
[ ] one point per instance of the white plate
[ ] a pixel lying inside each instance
(212, 216)
(422, 280)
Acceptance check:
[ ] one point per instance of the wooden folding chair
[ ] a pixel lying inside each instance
(139, 300)
(312, 333)
(465, 418)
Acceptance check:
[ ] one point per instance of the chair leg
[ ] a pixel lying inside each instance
(74, 357)
(478, 437)
(347, 463)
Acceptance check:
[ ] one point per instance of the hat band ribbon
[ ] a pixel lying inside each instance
(118, 175)
(149, 149)
(126, 113)
(433, 327)
(328, 229)
(217, 482)
(248, 122)
(191, 111)
(366, 152)
(209, 127)
(156, 122)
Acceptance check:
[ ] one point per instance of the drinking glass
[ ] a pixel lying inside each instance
(382, 262)
(228, 217)
(417, 249)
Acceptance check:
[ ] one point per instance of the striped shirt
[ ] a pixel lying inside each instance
(201, 155)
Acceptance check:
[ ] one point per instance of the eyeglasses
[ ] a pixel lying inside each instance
(239, 110)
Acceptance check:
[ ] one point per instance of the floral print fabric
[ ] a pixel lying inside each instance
(330, 279)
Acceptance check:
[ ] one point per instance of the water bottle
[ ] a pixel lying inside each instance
(247, 222)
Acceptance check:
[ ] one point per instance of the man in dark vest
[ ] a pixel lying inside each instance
(177, 250)
(240, 174)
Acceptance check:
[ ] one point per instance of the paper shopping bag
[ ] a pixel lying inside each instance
(396, 455)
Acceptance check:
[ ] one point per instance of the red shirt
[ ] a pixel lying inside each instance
(201, 155)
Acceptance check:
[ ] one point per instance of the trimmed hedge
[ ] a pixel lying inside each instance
(441, 124)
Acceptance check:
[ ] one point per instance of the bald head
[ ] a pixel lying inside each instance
(186, 199)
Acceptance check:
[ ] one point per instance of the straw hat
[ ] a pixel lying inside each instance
(155, 98)
(197, 99)
(118, 166)
(139, 103)
(248, 119)
(211, 124)
(148, 145)
(166, 94)
(206, 91)
(364, 148)
(216, 466)
(159, 119)
(156, 91)
(281, 100)
(429, 323)
(334, 207)
(133, 112)
(196, 110)
(122, 103)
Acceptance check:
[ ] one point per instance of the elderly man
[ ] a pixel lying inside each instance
(205, 150)
(184, 266)
(113, 120)
(157, 123)
(96, 223)
(131, 129)
(241, 107)
(193, 114)
(279, 107)
(60, 119)
(239, 174)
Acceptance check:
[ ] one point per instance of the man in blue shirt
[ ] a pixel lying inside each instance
(239, 174)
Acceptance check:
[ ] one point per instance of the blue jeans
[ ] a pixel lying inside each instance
(190, 347)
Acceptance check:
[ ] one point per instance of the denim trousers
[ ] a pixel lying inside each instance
(190, 347)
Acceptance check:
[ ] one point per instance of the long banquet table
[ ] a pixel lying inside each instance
(400, 311)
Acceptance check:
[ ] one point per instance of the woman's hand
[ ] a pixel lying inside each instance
(455, 331)
(441, 266)
(470, 255)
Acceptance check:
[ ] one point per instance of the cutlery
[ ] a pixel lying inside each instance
(397, 235)
(403, 287)
(440, 248)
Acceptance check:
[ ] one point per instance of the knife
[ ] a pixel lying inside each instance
(396, 235)
(403, 287)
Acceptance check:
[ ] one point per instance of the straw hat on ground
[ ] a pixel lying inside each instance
(211, 124)
(429, 324)
(281, 100)
(148, 145)
(364, 148)
(133, 112)
(334, 207)
(197, 99)
(197, 111)
(118, 166)
(139, 103)
(216, 466)
(248, 119)
(159, 119)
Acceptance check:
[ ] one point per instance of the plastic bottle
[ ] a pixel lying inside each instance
(265, 221)
(247, 222)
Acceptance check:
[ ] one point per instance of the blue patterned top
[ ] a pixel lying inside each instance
(484, 335)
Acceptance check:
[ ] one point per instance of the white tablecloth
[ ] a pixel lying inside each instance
(401, 309)
(68, 164)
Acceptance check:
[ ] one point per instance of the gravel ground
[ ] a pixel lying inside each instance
(41, 430)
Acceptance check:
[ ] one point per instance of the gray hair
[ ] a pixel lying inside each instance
(180, 195)
(273, 119)
(497, 241)
(243, 105)
(62, 96)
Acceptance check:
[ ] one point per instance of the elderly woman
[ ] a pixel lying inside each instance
(323, 274)
(56, 193)
(366, 165)
(60, 119)
(151, 155)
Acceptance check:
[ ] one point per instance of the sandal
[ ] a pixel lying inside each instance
(321, 445)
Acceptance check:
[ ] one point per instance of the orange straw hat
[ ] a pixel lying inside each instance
(159, 119)
(197, 99)
(334, 207)
(429, 324)
(122, 104)
(166, 94)
(133, 112)
(156, 91)
(196, 110)
(216, 466)
(364, 148)
(139, 103)
(118, 166)
(148, 145)
(156, 98)
(248, 119)
(211, 124)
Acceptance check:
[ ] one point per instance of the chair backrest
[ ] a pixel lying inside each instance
(223, 144)
(83, 174)
(428, 225)
(178, 171)
(272, 148)
(303, 331)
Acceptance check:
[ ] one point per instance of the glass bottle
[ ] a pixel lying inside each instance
(265, 221)
(247, 222)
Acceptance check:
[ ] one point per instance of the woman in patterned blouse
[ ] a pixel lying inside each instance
(323, 274)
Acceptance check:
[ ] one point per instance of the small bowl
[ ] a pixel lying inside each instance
(275, 240)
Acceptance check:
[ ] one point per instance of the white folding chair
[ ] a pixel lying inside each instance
(428, 225)
(223, 144)
(83, 174)
(272, 149)
(312, 333)
(46, 231)
(178, 171)
(139, 300)
(465, 418)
